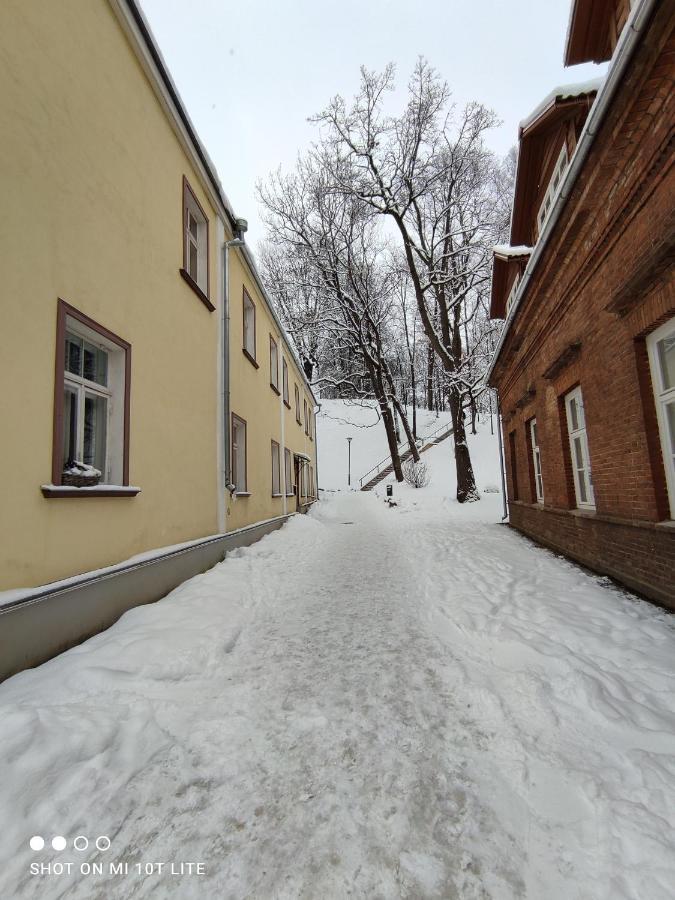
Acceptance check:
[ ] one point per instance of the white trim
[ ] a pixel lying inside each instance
(536, 462)
(554, 185)
(664, 396)
(580, 456)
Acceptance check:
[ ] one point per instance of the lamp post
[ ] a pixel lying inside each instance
(349, 462)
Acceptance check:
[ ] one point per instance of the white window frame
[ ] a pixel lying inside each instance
(274, 363)
(512, 293)
(200, 241)
(579, 435)
(288, 472)
(112, 392)
(239, 479)
(536, 462)
(249, 326)
(664, 397)
(284, 381)
(276, 469)
(555, 181)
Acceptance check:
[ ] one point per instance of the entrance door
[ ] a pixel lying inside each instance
(297, 463)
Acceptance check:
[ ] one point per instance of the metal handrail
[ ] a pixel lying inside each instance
(387, 459)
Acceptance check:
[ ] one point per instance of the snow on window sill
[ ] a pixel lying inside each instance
(51, 491)
(277, 495)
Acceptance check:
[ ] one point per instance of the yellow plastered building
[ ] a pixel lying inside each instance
(126, 293)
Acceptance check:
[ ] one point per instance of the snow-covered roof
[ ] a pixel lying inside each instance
(508, 251)
(562, 92)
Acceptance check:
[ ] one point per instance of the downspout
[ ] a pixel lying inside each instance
(237, 241)
(502, 472)
(282, 462)
(316, 450)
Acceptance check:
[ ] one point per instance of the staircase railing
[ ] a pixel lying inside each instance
(421, 441)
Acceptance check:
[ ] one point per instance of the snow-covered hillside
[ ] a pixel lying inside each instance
(340, 419)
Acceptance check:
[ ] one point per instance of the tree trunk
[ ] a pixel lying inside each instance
(406, 427)
(414, 401)
(388, 420)
(430, 377)
(466, 482)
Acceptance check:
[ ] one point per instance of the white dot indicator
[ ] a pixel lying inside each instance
(59, 843)
(80, 842)
(37, 842)
(103, 843)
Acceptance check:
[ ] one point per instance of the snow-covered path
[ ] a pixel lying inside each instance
(373, 702)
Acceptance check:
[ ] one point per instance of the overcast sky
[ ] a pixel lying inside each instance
(251, 72)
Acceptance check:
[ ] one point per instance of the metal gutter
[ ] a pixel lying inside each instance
(622, 55)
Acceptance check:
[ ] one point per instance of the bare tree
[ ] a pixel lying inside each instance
(429, 172)
(336, 252)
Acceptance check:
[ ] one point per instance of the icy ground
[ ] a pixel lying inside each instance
(372, 702)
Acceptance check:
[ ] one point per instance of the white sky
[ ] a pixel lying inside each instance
(251, 72)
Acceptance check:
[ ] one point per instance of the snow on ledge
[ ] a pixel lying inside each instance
(508, 250)
(562, 92)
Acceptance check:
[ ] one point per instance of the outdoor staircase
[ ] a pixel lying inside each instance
(378, 474)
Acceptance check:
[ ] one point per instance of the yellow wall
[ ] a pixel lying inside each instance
(91, 212)
(252, 399)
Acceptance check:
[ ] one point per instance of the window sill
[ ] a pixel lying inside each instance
(250, 358)
(242, 493)
(287, 404)
(51, 491)
(188, 279)
(277, 495)
(275, 389)
(299, 422)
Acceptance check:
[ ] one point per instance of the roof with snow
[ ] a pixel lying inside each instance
(588, 31)
(557, 96)
(507, 251)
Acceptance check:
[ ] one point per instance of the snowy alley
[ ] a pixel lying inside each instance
(406, 702)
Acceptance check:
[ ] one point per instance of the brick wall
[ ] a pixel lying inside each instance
(604, 283)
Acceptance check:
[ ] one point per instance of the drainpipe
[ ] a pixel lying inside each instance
(237, 241)
(502, 472)
(317, 409)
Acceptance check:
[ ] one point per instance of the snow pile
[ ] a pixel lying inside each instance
(340, 419)
(511, 251)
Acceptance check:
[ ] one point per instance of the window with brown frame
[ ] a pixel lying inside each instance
(276, 470)
(306, 419)
(195, 270)
(239, 465)
(91, 408)
(274, 365)
(288, 470)
(284, 373)
(249, 341)
(297, 405)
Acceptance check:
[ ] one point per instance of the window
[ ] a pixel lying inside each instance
(536, 462)
(661, 348)
(276, 470)
(288, 469)
(297, 405)
(284, 374)
(195, 245)
(249, 328)
(306, 419)
(311, 482)
(91, 403)
(512, 294)
(552, 190)
(514, 465)
(274, 364)
(239, 455)
(581, 461)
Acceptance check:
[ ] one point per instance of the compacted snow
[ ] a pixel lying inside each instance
(372, 702)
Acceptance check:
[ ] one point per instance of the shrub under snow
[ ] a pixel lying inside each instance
(416, 473)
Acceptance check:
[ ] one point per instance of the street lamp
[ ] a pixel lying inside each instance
(349, 462)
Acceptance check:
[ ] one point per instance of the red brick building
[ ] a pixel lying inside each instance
(585, 367)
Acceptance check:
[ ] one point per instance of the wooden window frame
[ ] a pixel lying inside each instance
(274, 369)
(251, 357)
(297, 405)
(285, 382)
(581, 433)
(306, 411)
(277, 493)
(188, 195)
(513, 455)
(551, 192)
(663, 397)
(239, 421)
(64, 311)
